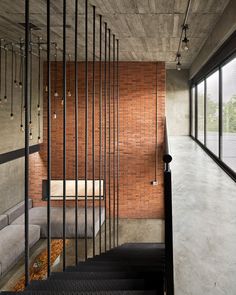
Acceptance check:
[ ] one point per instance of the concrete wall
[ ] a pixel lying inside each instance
(12, 173)
(177, 102)
(223, 29)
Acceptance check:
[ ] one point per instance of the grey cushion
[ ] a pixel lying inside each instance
(3, 221)
(38, 215)
(16, 211)
(12, 244)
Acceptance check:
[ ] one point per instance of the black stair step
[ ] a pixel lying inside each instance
(113, 257)
(89, 285)
(122, 292)
(104, 275)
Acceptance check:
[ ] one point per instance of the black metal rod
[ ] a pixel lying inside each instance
(114, 141)
(220, 113)
(100, 136)
(105, 140)
(27, 33)
(49, 136)
(117, 134)
(5, 70)
(12, 80)
(64, 134)
(109, 133)
(86, 128)
(93, 123)
(76, 133)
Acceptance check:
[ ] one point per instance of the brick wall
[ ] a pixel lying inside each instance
(138, 198)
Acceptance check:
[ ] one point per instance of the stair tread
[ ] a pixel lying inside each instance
(88, 285)
(114, 292)
(103, 275)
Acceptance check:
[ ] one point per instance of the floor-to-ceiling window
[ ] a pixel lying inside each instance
(229, 114)
(200, 111)
(214, 120)
(212, 113)
(193, 111)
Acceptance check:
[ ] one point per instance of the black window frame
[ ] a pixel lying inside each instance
(223, 56)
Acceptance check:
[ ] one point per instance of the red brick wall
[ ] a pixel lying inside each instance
(138, 198)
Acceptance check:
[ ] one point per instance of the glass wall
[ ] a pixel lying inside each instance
(193, 111)
(216, 113)
(229, 114)
(200, 111)
(212, 113)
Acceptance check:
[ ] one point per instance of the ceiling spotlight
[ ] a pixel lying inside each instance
(185, 41)
(178, 65)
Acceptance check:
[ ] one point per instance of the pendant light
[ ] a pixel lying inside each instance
(31, 87)
(21, 75)
(15, 80)
(178, 65)
(185, 41)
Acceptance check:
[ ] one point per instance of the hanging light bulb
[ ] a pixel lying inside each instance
(11, 116)
(38, 107)
(185, 41)
(62, 101)
(178, 65)
(31, 135)
(22, 128)
(56, 94)
(46, 88)
(39, 139)
(20, 85)
(54, 115)
(5, 98)
(30, 124)
(69, 93)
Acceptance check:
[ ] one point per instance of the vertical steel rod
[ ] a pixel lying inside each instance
(86, 125)
(27, 33)
(105, 139)
(118, 151)
(64, 134)
(114, 142)
(93, 123)
(76, 133)
(49, 137)
(100, 136)
(109, 131)
(12, 80)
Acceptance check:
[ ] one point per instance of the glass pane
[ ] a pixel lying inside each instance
(212, 108)
(200, 119)
(229, 114)
(193, 111)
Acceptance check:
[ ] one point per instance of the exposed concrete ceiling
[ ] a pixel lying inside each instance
(149, 30)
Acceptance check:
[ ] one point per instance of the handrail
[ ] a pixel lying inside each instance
(167, 158)
(169, 264)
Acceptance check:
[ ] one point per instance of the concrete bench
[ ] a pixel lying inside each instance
(38, 216)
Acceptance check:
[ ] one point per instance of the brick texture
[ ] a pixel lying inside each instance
(137, 112)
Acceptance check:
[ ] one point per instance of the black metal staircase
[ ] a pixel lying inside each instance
(127, 269)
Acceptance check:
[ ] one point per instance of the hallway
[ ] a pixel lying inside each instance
(204, 222)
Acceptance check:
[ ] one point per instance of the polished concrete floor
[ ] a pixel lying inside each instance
(130, 230)
(204, 222)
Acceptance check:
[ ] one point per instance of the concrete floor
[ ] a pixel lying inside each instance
(130, 230)
(204, 221)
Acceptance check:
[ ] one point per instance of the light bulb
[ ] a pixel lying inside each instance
(69, 93)
(20, 84)
(38, 107)
(11, 116)
(15, 84)
(185, 44)
(22, 128)
(54, 115)
(56, 94)
(62, 102)
(178, 66)
(46, 88)
(31, 136)
(30, 124)
(39, 139)
(5, 98)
